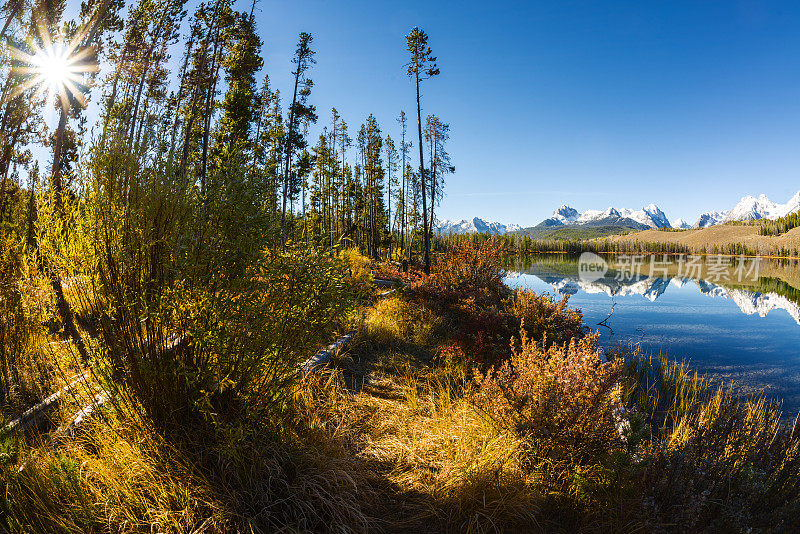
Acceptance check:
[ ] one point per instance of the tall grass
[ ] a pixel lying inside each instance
(716, 460)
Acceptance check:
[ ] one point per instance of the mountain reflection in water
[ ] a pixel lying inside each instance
(749, 302)
(745, 332)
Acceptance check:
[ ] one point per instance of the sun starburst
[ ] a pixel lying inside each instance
(55, 68)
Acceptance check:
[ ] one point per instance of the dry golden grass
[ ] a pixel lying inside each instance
(721, 236)
(393, 320)
(443, 463)
(118, 475)
(115, 478)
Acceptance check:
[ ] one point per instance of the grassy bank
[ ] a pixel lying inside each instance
(461, 406)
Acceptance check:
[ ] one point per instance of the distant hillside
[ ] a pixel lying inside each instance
(575, 232)
(721, 238)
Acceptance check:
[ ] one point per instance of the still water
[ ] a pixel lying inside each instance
(732, 319)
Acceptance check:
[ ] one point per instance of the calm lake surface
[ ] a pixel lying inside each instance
(732, 319)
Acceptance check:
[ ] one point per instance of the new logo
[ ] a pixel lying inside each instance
(591, 267)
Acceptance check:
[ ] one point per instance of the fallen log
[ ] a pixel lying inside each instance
(324, 356)
(33, 417)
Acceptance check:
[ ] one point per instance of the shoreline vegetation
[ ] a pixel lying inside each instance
(460, 405)
(728, 240)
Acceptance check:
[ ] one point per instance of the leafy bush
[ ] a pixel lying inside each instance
(544, 318)
(242, 345)
(24, 304)
(466, 288)
(468, 269)
(563, 402)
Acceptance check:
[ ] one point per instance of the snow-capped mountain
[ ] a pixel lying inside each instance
(474, 226)
(752, 302)
(563, 215)
(648, 217)
(649, 288)
(751, 208)
(762, 303)
(710, 218)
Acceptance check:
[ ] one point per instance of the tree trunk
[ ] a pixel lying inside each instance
(5, 164)
(57, 157)
(288, 151)
(64, 310)
(30, 240)
(427, 243)
(434, 157)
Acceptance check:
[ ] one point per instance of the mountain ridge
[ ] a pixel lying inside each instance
(476, 225)
(651, 216)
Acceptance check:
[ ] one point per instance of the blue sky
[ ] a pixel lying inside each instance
(690, 105)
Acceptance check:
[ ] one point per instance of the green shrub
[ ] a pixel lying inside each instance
(243, 344)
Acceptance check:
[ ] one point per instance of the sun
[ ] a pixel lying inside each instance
(57, 69)
(54, 68)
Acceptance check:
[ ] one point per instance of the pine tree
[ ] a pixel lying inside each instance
(405, 147)
(391, 181)
(299, 112)
(437, 133)
(421, 67)
(233, 201)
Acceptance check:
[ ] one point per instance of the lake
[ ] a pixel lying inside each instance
(736, 320)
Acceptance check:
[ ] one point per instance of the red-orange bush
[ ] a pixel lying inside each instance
(466, 286)
(544, 317)
(562, 401)
(467, 268)
(389, 271)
